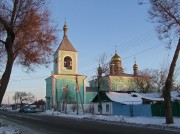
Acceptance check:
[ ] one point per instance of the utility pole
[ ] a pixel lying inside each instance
(56, 107)
(77, 106)
(8, 100)
(77, 91)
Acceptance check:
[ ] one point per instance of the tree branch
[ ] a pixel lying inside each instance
(6, 26)
(169, 13)
(2, 41)
(14, 11)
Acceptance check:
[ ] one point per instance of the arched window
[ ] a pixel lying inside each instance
(68, 62)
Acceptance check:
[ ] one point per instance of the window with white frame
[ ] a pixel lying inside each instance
(107, 108)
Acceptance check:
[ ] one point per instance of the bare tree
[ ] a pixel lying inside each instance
(177, 86)
(166, 14)
(103, 61)
(150, 80)
(26, 36)
(97, 80)
(158, 78)
(66, 98)
(23, 96)
(143, 80)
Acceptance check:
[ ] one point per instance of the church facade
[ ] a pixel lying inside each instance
(116, 80)
(65, 85)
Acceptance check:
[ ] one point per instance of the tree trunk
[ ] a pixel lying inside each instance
(168, 85)
(5, 79)
(10, 59)
(99, 99)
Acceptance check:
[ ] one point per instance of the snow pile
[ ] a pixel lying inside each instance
(159, 96)
(115, 118)
(6, 128)
(155, 122)
(69, 115)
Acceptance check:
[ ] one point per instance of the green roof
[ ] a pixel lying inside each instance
(103, 97)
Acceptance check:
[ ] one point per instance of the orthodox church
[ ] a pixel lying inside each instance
(66, 85)
(115, 81)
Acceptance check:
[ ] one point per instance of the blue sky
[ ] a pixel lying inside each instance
(95, 27)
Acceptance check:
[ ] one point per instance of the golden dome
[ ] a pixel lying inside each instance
(135, 66)
(99, 69)
(65, 27)
(116, 58)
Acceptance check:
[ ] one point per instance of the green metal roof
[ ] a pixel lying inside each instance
(102, 96)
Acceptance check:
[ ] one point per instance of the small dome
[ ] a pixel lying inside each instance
(65, 27)
(99, 69)
(135, 66)
(116, 58)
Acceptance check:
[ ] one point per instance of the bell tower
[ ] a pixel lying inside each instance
(65, 78)
(65, 57)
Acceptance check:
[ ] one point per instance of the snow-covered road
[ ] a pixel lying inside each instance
(8, 127)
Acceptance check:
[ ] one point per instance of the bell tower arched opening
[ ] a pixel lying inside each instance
(68, 62)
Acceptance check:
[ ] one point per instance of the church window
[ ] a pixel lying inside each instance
(118, 87)
(68, 62)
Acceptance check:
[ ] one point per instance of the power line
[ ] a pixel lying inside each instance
(92, 69)
(126, 46)
(133, 55)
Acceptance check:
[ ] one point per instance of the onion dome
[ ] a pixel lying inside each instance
(116, 58)
(135, 66)
(65, 28)
(99, 70)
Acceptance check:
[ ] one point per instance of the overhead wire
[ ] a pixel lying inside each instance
(123, 48)
(138, 41)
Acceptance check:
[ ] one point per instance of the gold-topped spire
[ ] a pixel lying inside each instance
(99, 71)
(135, 67)
(65, 44)
(134, 60)
(65, 28)
(115, 49)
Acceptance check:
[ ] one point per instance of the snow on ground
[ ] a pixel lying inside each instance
(154, 122)
(7, 127)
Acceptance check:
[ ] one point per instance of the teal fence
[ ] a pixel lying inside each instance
(159, 109)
